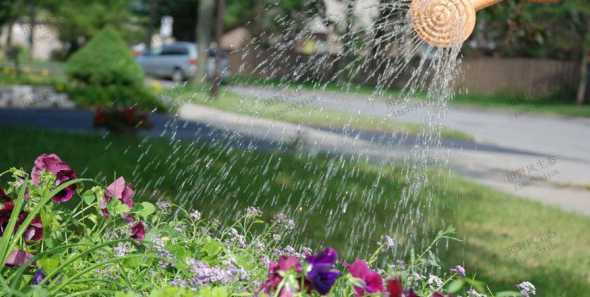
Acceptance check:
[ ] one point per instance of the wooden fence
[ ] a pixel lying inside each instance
(529, 77)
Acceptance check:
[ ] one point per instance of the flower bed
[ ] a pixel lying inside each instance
(65, 236)
(121, 120)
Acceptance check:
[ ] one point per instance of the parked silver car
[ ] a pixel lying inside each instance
(178, 61)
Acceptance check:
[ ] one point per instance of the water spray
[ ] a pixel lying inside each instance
(447, 23)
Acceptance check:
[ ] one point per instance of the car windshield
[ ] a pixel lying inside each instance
(174, 50)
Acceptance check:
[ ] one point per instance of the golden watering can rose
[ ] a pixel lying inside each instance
(445, 23)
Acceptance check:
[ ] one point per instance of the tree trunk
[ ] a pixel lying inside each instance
(258, 22)
(33, 24)
(347, 42)
(206, 10)
(583, 84)
(8, 42)
(153, 7)
(219, 51)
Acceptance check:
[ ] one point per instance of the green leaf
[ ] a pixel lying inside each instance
(212, 248)
(246, 260)
(478, 285)
(49, 264)
(180, 253)
(171, 292)
(116, 207)
(146, 209)
(455, 286)
(39, 292)
(508, 294)
(213, 292)
(134, 262)
(88, 197)
(125, 294)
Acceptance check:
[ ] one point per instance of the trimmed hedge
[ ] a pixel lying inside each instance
(104, 73)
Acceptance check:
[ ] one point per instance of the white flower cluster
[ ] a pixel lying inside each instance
(527, 289)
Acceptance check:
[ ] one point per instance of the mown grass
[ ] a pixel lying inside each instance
(521, 105)
(301, 114)
(505, 239)
(558, 104)
(313, 85)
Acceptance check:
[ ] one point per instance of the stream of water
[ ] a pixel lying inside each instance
(329, 196)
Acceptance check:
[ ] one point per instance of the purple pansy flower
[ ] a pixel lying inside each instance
(38, 277)
(323, 275)
(18, 258)
(373, 282)
(138, 231)
(118, 189)
(62, 171)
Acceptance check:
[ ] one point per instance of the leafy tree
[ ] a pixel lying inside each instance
(568, 27)
(78, 21)
(558, 31)
(9, 10)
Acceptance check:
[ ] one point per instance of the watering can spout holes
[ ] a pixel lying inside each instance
(447, 23)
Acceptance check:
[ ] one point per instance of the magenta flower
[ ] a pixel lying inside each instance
(395, 288)
(437, 294)
(118, 189)
(62, 171)
(35, 230)
(18, 258)
(6, 206)
(373, 282)
(274, 277)
(138, 231)
(323, 275)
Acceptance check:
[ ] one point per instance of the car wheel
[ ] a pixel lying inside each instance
(177, 76)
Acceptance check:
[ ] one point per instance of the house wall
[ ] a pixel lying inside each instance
(45, 39)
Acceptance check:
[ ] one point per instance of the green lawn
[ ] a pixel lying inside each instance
(337, 202)
(310, 85)
(562, 105)
(300, 114)
(520, 105)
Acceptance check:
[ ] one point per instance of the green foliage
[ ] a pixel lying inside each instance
(104, 73)
(105, 60)
(79, 21)
(183, 255)
(10, 10)
(524, 29)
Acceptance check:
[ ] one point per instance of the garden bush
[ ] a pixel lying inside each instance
(65, 236)
(104, 73)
